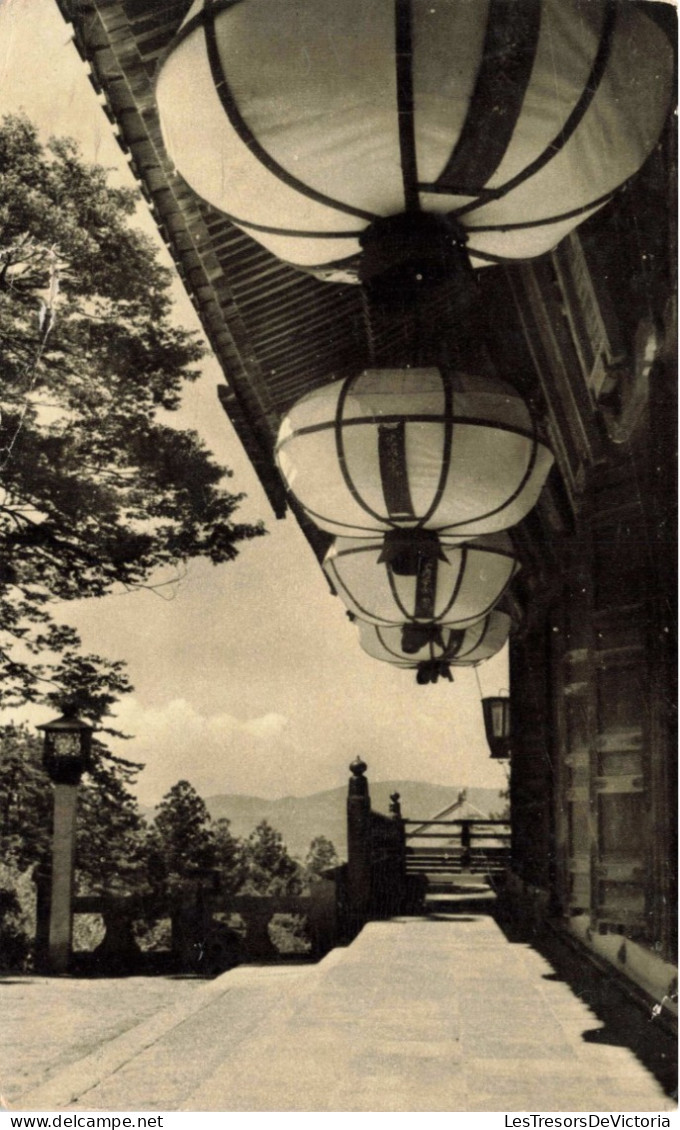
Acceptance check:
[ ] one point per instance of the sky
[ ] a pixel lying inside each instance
(248, 676)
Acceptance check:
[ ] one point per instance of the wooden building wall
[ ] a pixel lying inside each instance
(594, 769)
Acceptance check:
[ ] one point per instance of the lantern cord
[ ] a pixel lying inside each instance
(479, 685)
(405, 103)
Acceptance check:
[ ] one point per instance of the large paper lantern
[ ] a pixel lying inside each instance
(459, 648)
(420, 579)
(409, 448)
(306, 121)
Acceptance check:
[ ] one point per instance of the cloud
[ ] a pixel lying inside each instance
(218, 753)
(269, 726)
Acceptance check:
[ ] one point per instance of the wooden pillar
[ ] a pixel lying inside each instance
(63, 858)
(400, 830)
(358, 847)
(465, 845)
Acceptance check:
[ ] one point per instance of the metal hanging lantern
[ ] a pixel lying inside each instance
(405, 448)
(67, 747)
(307, 122)
(453, 646)
(418, 581)
(496, 710)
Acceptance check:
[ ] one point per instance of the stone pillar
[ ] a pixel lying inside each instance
(257, 941)
(42, 877)
(63, 858)
(118, 951)
(358, 847)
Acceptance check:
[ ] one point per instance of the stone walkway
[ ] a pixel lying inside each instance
(432, 1014)
(49, 1023)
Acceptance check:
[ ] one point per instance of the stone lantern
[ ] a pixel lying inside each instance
(66, 756)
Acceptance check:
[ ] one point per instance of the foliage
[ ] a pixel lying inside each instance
(183, 844)
(288, 932)
(25, 799)
(98, 491)
(270, 870)
(228, 857)
(111, 836)
(17, 918)
(320, 857)
(15, 944)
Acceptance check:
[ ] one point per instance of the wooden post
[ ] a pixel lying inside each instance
(400, 828)
(63, 858)
(358, 848)
(465, 843)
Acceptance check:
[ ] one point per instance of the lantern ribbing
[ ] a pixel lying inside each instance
(458, 588)
(403, 449)
(518, 120)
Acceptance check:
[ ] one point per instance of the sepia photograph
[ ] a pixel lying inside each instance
(338, 560)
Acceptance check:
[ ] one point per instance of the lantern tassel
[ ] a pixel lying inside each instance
(414, 637)
(405, 550)
(432, 670)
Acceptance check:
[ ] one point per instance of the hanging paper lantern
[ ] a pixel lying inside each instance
(419, 581)
(306, 121)
(411, 448)
(458, 648)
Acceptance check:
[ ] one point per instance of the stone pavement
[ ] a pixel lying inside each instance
(50, 1023)
(440, 1013)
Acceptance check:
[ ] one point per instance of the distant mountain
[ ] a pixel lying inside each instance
(300, 819)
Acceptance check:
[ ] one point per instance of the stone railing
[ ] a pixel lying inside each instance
(204, 937)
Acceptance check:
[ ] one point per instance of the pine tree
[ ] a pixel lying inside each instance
(320, 857)
(111, 835)
(25, 799)
(184, 844)
(229, 858)
(270, 870)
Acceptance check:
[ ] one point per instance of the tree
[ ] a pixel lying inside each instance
(270, 870)
(184, 843)
(98, 490)
(320, 857)
(25, 799)
(228, 857)
(111, 835)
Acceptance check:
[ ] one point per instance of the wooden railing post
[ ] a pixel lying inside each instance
(465, 843)
(358, 847)
(400, 829)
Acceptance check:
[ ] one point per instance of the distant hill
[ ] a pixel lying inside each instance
(300, 819)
